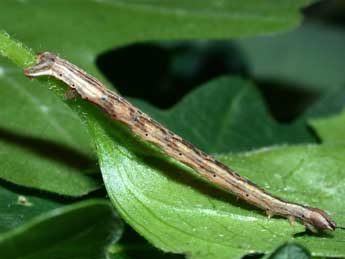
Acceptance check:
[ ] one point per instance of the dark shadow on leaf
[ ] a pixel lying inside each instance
(314, 133)
(36, 193)
(154, 158)
(253, 256)
(26, 191)
(49, 150)
(307, 233)
(185, 177)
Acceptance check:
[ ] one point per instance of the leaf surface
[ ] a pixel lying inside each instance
(17, 206)
(113, 21)
(330, 129)
(91, 227)
(178, 212)
(31, 115)
(43, 143)
(220, 116)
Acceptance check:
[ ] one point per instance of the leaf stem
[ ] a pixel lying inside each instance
(16, 51)
(25, 57)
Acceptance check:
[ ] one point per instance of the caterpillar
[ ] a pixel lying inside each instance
(142, 125)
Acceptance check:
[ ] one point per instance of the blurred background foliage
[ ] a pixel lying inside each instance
(292, 69)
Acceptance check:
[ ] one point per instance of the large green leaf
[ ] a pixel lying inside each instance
(84, 28)
(31, 110)
(186, 220)
(81, 230)
(42, 122)
(132, 164)
(42, 165)
(179, 213)
(216, 116)
(42, 142)
(208, 216)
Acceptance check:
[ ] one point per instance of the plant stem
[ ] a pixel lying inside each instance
(16, 51)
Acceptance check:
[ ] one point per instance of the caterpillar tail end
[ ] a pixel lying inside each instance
(319, 220)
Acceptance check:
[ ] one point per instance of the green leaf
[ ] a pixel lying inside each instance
(313, 170)
(23, 162)
(290, 251)
(330, 103)
(291, 58)
(15, 51)
(81, 230)
(113, 19)
(31, 110)
(217, 116)
(125, 152)
(18, 205)
(42, 142)
(330, 129)
(154, 20)
(178, 213)
(181, 214)
(327, 116)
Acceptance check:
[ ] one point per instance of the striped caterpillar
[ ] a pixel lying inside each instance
(145, 127)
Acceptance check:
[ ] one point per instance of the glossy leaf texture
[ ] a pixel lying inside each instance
(113, 19)
(35, 224)
(45, 126)
(43, 144)
(178, 212)
(215, 116)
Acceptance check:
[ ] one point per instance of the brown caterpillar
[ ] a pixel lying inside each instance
(174, 146)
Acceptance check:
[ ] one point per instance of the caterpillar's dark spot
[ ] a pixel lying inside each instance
(146, 134)
(214, 175)
(60, 74)
(247, 194)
